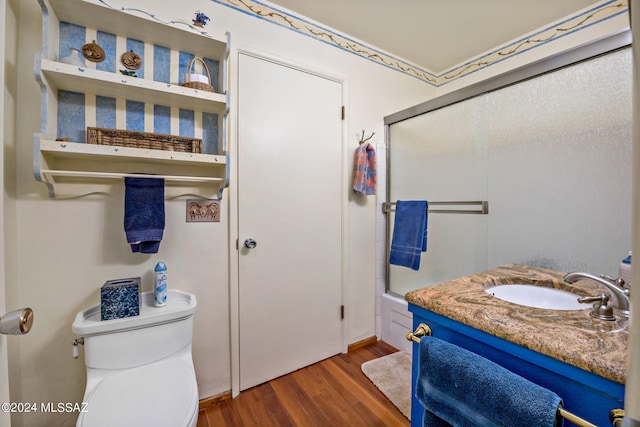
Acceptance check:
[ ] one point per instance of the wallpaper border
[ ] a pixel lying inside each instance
(556, 31)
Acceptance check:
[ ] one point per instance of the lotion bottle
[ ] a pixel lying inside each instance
(624, 271)
(160, 287)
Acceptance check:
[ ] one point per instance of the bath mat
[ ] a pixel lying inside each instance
(392, 375)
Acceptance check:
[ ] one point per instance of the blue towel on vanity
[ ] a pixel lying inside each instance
(144, 213)
(409, 233)
(460, 388)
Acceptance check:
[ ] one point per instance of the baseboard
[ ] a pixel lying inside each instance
(362, 343)
(210, 401)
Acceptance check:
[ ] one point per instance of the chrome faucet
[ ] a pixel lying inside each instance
(614, 286)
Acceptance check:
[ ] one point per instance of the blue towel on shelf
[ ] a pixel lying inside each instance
(409, 233)
(144, 213)
(460, 388)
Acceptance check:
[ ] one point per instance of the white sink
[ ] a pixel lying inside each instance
(537, 296)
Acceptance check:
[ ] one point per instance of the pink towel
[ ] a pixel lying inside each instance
(364, 170)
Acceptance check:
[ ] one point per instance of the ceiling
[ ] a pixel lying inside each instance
(435, 35)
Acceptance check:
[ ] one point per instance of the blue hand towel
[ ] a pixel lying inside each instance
(409, 233)
(144, 213)
(460, 388)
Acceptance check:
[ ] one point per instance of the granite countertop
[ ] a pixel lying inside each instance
(572, 337)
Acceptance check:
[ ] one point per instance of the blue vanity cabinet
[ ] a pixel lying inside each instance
(584, 394)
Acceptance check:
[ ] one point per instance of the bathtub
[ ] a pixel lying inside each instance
(396, 321)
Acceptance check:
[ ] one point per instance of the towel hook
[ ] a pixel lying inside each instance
(363, 139)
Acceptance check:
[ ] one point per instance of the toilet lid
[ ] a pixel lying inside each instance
(163, 394)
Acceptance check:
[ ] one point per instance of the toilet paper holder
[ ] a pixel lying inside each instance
(17, 322)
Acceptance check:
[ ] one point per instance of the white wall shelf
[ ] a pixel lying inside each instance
(72, 169)
(137, 24)
(61, 76)
(81, 151)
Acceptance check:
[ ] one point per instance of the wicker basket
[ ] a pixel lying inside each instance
(189, 71)
(153, 141)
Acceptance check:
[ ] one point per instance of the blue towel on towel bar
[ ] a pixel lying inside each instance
(409, 233)
(460, 388)
(144, 213)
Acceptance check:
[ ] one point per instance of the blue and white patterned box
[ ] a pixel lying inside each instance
(120, 298)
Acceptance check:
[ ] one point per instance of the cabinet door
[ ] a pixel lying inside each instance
(289, 202)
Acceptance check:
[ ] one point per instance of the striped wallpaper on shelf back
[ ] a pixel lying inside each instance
(77, 111)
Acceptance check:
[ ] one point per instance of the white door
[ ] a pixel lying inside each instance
(289, 202)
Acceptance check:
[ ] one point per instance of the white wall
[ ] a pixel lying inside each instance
(632, 391)
(62, 251)
(4, 373)
(9, 53)
(59, 252)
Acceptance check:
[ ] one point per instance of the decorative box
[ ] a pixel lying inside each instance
(120, 298)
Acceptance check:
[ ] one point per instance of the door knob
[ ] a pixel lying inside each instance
(250, 243)
(17, 322)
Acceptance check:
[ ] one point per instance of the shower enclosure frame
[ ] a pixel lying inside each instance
(529, 71)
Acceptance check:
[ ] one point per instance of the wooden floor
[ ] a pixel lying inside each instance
(330, 393)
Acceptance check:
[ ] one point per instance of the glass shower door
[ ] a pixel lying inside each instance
(551, 154)
(441, 157)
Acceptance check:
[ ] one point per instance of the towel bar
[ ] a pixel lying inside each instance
(421, 331)
(575, 419)
(117, 175)
(616, 414)
(484, 207)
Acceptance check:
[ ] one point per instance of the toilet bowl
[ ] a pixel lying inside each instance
(140, 369)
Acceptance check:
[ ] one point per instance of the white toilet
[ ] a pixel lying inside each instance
(139, 369)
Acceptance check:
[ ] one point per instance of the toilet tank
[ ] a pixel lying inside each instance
(155, 334)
